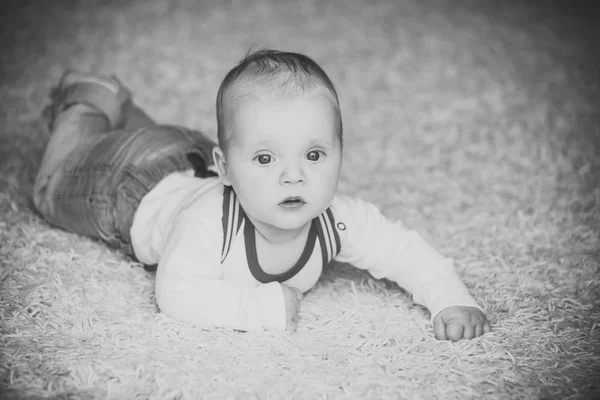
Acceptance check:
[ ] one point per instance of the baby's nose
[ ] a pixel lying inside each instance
(292, 174)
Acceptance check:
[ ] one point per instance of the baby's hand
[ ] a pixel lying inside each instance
(457, 322)
(292, 298)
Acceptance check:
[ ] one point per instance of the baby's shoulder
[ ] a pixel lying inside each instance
(205, 197)
(192, 198)
(354, 212)
(346, 204)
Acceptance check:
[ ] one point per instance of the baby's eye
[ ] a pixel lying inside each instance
(264, 159)
(313, 155)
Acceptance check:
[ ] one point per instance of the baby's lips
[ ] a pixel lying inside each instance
(293, 199)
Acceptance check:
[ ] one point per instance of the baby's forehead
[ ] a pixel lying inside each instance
(302, 110)
(305, 120)
(267, 102)
(257, 107)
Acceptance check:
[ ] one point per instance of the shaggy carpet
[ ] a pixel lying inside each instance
(475, 122)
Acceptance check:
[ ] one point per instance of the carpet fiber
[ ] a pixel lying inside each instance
(475, 122)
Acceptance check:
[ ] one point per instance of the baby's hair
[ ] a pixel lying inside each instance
(270, 73)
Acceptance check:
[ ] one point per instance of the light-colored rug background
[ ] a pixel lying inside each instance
(475, 122)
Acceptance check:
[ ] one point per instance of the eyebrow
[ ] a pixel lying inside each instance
(326, 143)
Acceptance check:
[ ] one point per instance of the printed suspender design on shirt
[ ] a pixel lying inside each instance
(325, 225)
(232, 217)
(328, 236)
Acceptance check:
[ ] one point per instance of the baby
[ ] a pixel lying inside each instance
(239, 249)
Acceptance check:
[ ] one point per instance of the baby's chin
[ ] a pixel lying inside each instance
(293, 224)
(289, 219)
(289, 226)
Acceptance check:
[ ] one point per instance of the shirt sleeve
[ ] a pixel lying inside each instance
(190, 285)
(389, 250)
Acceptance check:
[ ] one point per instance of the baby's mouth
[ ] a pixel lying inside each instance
(292, 202)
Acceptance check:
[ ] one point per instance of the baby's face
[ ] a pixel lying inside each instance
(284, 160)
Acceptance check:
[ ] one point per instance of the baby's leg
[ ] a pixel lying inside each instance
(83, 108)
(100, 186)
(72, 126)
(93, 176)
(134, 117)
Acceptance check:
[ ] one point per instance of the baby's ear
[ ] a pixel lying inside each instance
(221, 164)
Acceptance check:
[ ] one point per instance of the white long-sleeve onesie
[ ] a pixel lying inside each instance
(208, 273)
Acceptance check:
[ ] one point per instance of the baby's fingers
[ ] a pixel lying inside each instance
(486, 327)
(478, 330)
(482, 328)
(292, 325)
(439, 329)
(455, 331)
(469, 331)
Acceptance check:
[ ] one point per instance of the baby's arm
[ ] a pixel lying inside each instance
(190, 288)
(389, 250)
